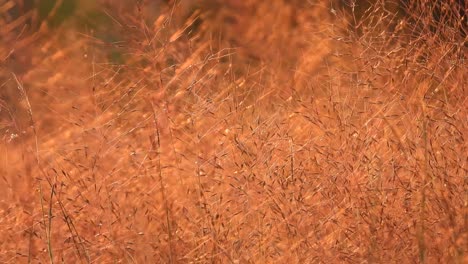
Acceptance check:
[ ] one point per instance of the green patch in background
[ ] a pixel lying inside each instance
(66, 10)
(116, 57)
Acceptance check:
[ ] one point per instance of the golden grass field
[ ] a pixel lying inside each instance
(321, 131)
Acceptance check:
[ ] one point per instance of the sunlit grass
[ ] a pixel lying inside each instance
(233, 132)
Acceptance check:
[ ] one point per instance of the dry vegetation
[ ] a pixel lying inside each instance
(233, 132)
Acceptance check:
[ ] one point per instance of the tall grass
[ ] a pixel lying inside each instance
(233, 132)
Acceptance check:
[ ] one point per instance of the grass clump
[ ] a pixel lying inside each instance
(233, 131)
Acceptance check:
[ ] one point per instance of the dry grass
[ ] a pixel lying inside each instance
(234, 132)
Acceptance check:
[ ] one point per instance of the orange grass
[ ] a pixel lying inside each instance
(234, 132)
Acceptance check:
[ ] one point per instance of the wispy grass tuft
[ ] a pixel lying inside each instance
(233, 131)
